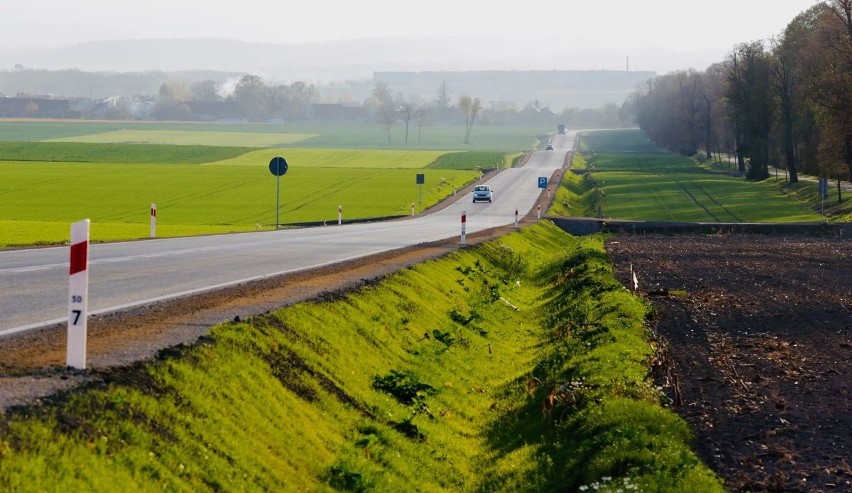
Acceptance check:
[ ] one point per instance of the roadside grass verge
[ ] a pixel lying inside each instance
(627, 181)
(436, 378)
(806, 192)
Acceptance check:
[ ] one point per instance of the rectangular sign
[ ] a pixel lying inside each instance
(421, 179)
(542, 182)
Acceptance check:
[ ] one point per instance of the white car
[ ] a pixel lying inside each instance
(482, 193)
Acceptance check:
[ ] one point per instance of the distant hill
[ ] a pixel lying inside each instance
(492, 70)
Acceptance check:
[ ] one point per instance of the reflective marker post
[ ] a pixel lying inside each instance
(153, 220)
(516, 218)
(78, 299)
(339, 215)
(464, 228)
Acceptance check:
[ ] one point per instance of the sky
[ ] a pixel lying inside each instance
(626, 25)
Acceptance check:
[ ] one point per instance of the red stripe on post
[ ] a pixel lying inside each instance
(79, 255)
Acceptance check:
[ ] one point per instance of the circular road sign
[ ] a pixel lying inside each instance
(278, 166)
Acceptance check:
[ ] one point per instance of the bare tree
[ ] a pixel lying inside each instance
(471, 108)
(383, 104)
(205, 90)
(274, 98)
(444, 96)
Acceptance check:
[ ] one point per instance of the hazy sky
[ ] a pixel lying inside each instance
(676, 25)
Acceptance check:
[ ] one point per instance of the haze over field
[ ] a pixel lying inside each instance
(338, 39)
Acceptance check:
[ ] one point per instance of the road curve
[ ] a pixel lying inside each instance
(34, 282)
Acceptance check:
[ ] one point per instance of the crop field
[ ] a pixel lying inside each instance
(214, 178)
(188, 137)
(345, 136)
(632, 181)
(40, 199)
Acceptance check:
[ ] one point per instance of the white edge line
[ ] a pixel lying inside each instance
(134, 304)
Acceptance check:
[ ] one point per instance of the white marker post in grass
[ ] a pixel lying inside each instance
(78, 299)
(339, 215)
(153, 220)
(464, 228)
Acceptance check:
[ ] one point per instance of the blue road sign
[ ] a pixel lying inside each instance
(542, 182)
(278, 166)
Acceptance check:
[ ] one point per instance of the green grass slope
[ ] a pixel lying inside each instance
(518, 365)
(625, 178)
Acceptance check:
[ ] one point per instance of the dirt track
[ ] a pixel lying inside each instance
(759, 361)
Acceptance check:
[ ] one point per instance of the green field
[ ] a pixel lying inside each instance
(214, 178)
(629, 180)
(350, 136)
(189, 137)
(40, 200)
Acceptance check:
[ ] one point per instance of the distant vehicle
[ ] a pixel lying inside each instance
(561, 128)
(482, 193)
(549, 147)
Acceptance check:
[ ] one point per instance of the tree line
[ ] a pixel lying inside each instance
(786, 101)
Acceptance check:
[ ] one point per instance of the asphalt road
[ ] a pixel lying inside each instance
(34, 282)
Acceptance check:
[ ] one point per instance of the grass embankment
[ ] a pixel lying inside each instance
(426, 381)
(629, 179)
(203, 190)
(837, 207)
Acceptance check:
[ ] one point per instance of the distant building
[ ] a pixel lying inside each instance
(38, 107)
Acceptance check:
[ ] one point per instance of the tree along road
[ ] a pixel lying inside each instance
(34, 282)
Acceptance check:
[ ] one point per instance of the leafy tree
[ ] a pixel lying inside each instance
(171, 102)
(250, 93)
(298, 98)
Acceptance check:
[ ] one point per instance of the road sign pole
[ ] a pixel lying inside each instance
(278, 166)
(78, 299)
(277, 199)
(464, 228)
(153, 220)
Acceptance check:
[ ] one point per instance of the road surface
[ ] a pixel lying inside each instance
(34, 282)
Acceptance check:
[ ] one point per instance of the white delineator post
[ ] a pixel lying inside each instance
(153, 220)
(78, 299)
(339, 215)
(539, 211)
(516, 218)
(464, 228)
(412, 208)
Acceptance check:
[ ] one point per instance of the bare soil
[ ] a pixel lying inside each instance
(756, 333)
